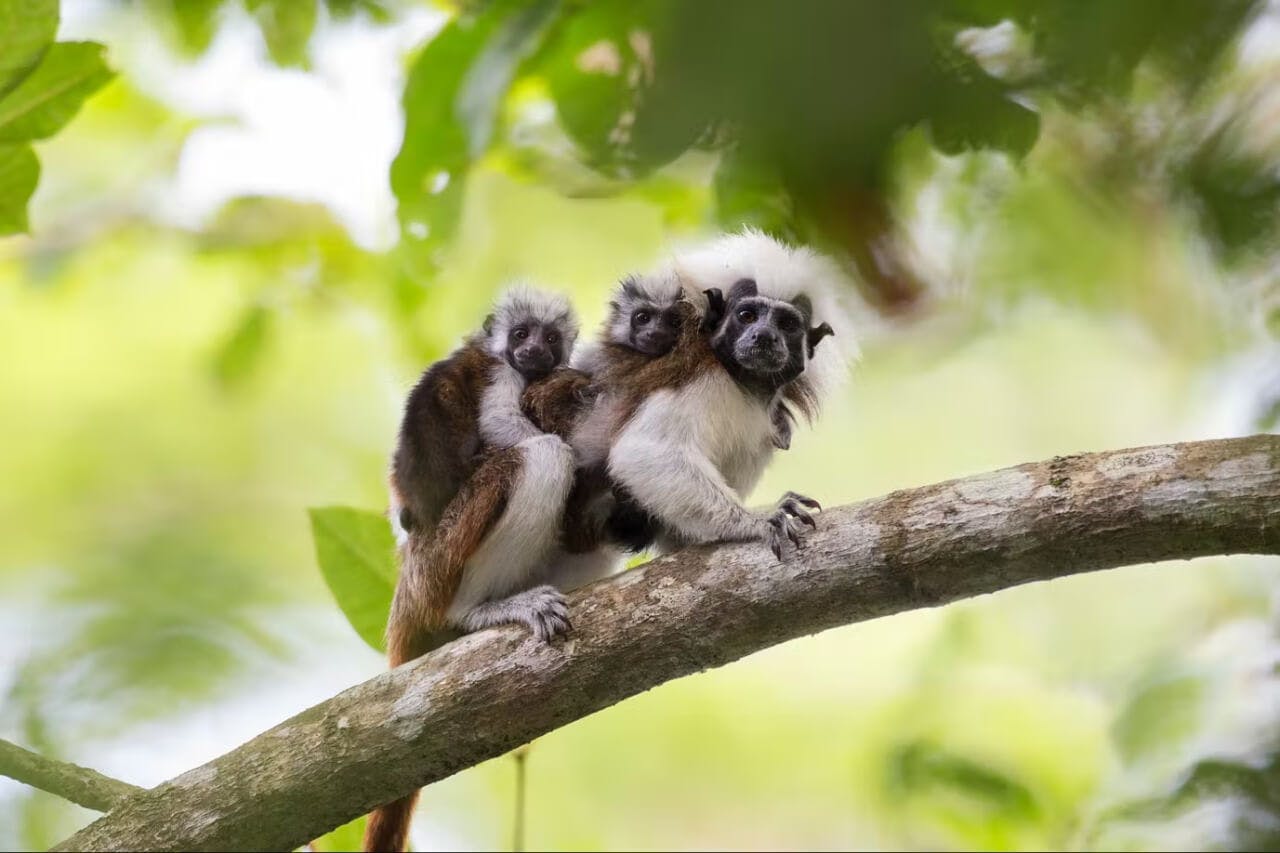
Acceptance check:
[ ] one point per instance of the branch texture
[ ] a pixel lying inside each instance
(80, 785)
(487, 693)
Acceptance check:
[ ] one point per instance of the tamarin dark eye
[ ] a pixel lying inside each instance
(746, 315)
(553, 338)
(787, 323)
(642, 317)
(520, 333)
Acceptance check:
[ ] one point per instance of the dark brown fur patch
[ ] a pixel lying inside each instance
(634, 377)
(554, 403)
(439, 434)
(431, 563)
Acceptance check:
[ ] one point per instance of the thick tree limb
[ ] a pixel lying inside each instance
(80, 785)
(485, 694)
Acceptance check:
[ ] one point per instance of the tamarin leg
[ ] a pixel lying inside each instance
(497, 576)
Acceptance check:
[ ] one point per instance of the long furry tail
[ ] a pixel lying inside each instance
(388, 828)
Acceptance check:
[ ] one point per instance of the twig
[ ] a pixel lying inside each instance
(80, 785)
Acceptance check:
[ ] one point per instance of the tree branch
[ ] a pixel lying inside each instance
(80, 785)
(487, 693)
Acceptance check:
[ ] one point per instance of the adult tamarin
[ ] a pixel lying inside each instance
(696, 427)
(644, 321)
(478, 492)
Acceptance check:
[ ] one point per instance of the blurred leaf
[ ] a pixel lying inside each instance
(450, 103)
(48, 98)
(1159, 716)
(287, 26)
(243, 351)
(1236, 196)
(751, 192)
(355, 550)
(377, 11)
(612, 94)
(923, 768)
(974, 111)
(196, 20)
(349, 836)
(27, 28)
(19, 173)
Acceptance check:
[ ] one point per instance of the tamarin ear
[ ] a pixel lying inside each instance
(488, 324)
(715, 308)
(816, 334)
(742, 288)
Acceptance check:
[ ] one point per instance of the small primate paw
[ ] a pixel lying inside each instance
(545, 612)
(586, 392)
(784, 521)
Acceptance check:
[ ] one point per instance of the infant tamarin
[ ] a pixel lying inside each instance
(644, 322)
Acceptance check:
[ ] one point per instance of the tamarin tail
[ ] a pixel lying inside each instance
(387, 830)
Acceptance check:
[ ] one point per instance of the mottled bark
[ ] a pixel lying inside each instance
(487, 693)
(80, 785)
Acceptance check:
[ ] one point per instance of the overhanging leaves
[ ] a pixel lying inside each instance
(19, 172)
(27, 28)
(48, 98)
(450, 106)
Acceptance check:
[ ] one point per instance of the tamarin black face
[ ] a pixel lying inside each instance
(644, 315)
(532, 333)
(534, 349)
(761, 341)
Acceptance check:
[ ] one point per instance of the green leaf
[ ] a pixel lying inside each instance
(197, 22)
(1159, 717)
(48, 98)
(749, 191)
(236, 358)
(349, 836)
(19, 172)
(618, 99)
(921, 767)
(287, 26)
(451, 101)
(27, 28)
(356, 553)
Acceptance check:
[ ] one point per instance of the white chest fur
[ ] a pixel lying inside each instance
(713, 416)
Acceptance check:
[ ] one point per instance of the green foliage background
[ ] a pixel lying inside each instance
(1061, 221)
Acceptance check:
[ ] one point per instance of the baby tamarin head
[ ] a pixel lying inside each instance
(643, 314)
(531, 330)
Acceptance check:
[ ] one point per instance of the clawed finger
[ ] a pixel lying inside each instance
(792, 506)
(802, 499)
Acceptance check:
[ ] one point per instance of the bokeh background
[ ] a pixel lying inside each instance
(1060, 225)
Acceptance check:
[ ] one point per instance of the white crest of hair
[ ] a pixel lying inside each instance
(783, 272)
(522, 302)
